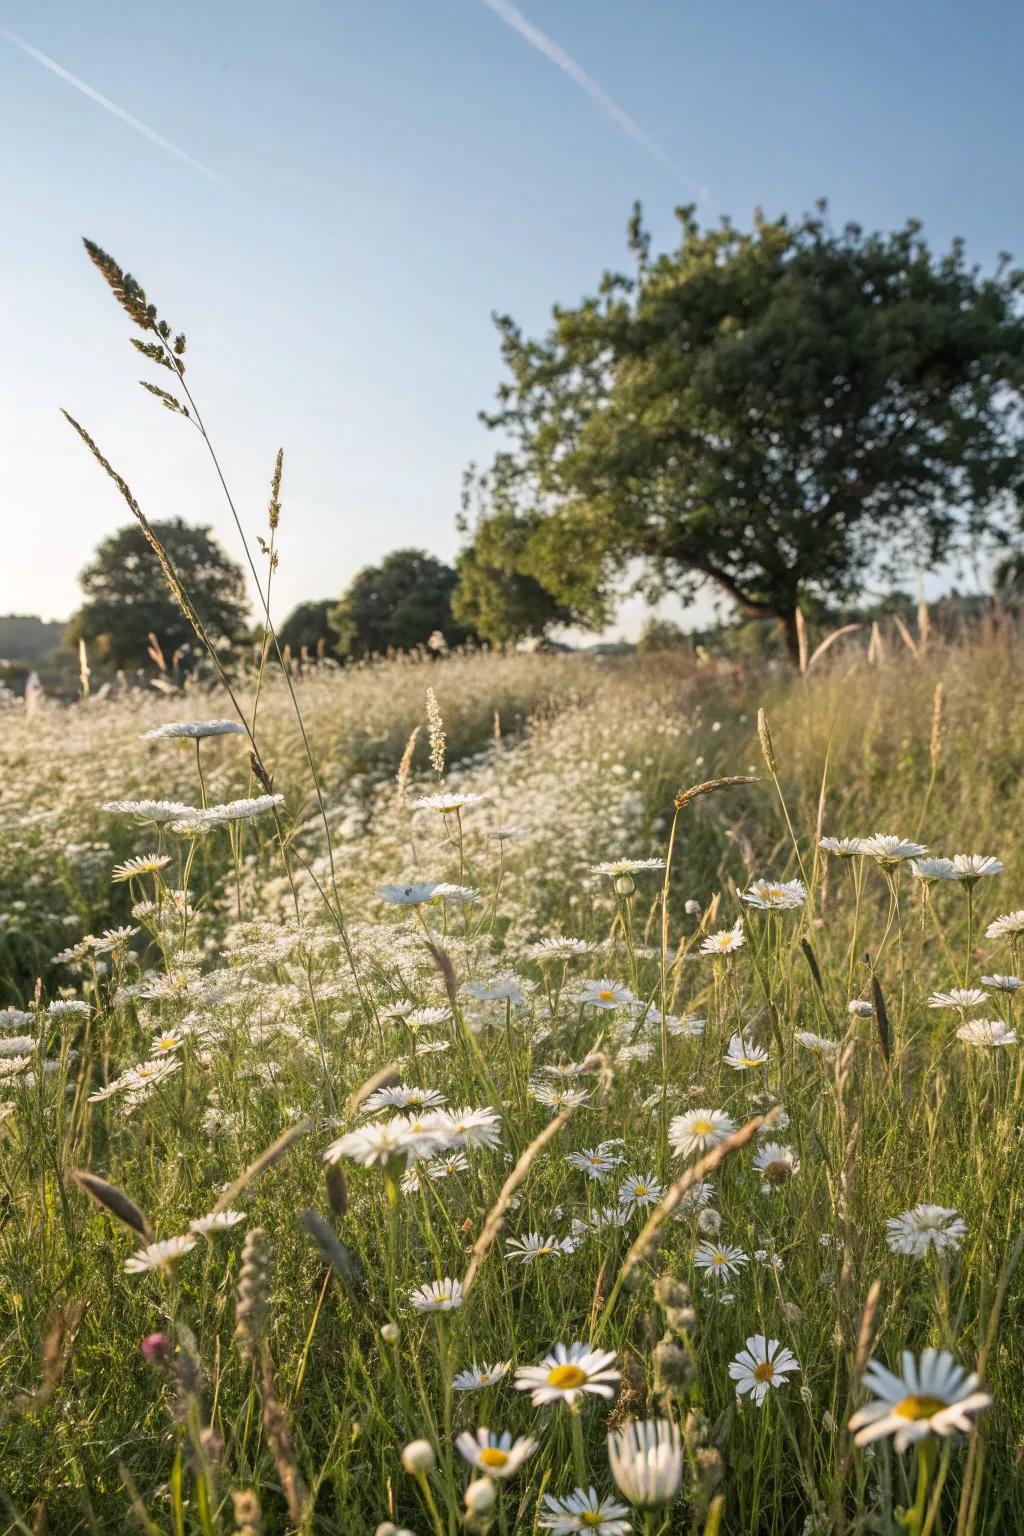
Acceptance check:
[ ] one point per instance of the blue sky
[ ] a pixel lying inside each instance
(389, 173)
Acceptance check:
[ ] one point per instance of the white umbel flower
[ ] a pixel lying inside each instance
(925, 1227)
(931, 1396)
(761, 1367)
(193, 730)
(646, 1458)
(567, 1373)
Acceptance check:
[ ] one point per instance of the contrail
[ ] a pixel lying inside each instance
(514, 18)
(110, 106)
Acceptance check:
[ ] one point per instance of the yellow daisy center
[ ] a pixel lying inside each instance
(639, 1190)
(701, 1128)
(764, 1371)
(566, 1376)
(606, 997)
(776, 893)
(776, 1173)
(919, 1406)
(490, 1456)
(591, 1519)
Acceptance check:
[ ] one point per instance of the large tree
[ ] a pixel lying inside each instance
(498, 596)
(779, 412)
(127, 599)
(397, 605)
(308, 627)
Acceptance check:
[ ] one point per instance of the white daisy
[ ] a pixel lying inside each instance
(447, 801)
(583, 1510)
(595, 1162)
(640, 1190)
(889, 851)
(819, 1045)
(724, 942)
(841, 847)
(932, 869)
(997, 983)
(986, 1032)
(402, 1096)
(958, 997)
(533, 1246)
(932, 1396)
(626, 867)
(499, 1456)
(646, 1459)
(413, 895)
(160, 1255)
(969, 868)
(567, 1373)
(437, 1296)
(558, 948)
(1010, 924)
(925, 1227)
(721, 1261)
(698, 1130)
(217, 1221)
(761, 1367)
(775, 895)
(776, 1164)
(606, 994)
(479, 1376)
(743, 1054)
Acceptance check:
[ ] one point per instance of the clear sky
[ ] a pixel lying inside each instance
(386, 174)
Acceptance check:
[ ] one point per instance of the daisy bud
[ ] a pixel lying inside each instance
(709, 1223)
(692, 908)
(418, 1457)
(390, 1333)
(386, 1528)
(681, 1319)
(670, 1292)
(480, 1496)
(624, 885)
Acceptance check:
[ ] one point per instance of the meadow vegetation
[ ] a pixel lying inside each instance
(328, 1117)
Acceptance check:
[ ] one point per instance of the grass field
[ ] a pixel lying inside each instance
(525, 1127)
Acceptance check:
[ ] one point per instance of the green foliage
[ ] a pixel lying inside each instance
(397, 605)
(780, 412)
(25, 637)
(308, 628)
(659, 635)
(498, 596)
(126, 598)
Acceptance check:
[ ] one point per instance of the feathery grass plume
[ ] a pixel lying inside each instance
(115, 1201)
(876, 650)
(924, 625)
(443, 960)
(435, 732)
(246, 1511)
(493, 1223)
(267, 1158)
(829, 641)
(129, 294)
(252, 1294)
(882, 1019)
(405, 767)
(154, 651)
(167, 399)
(392, 1073)
(907, 637)
(333, 1252)
(709, 787)
(337, 1188)
(801, 640)
(274, 509)
(279, 1438)
(764, 736)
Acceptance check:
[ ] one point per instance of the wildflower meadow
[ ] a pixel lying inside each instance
(534, 1093)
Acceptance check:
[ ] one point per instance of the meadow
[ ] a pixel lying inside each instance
(541, 1121)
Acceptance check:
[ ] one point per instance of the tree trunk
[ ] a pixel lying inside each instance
(791, 634)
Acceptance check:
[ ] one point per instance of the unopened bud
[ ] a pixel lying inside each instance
(418, 1457)
(673, 1371)
(390, 1333)
(625, 885)
(709, 1223)
(480, 1496)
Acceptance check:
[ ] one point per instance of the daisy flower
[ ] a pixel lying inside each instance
(720, 1261)
(160, 1255)
(775, 895)
(447, 890)
(639, 1190)
(559, 1098)
(958, 997)
(925, 1227)
(931, 1396)
(533, 1246)
(932, 869)
(743, 1054)
(606, 994)
(889, 851)
(583, 1510)
(472, 1128)
(986, 1032)
(566, 1374)
(626, 867)
(1010, 924)
(401, 1096)
(761, 1367)
(558, 948)
(819, 1045)
(841, 847)
(724, 942)
(689, 1025)
(646, 1458)
(698, 1130)
(413, 895)
(134, 869)
(217, 1221)
(776, 1164)
(438, 1296)
(969, 868)
(479, 1376)
(498, 1455)
(149, 810)
(997, 983)
(595, 1162)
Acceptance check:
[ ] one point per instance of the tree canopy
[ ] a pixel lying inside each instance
(781, 412)
(307, 626)
(126, 597)
(498, 596)
(397, 605)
